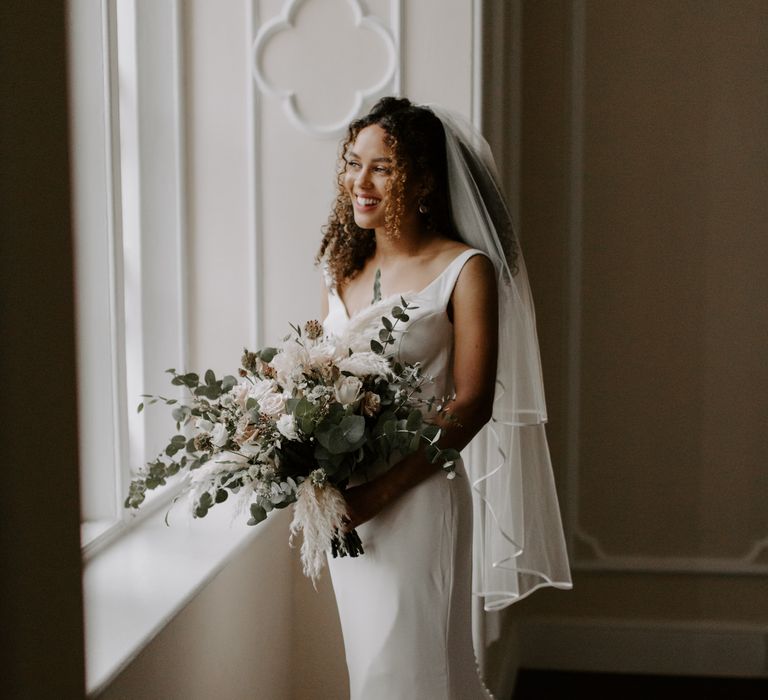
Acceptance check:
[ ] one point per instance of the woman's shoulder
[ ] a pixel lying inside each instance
(446, 250)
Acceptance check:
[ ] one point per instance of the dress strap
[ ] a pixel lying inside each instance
(451, 274)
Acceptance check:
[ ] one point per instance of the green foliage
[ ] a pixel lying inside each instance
(386, 334)
(267, 354)
(257, 514)
(346, 436)
(203, 505)
(376, 286)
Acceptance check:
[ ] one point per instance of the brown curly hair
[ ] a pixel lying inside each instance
(416, 138)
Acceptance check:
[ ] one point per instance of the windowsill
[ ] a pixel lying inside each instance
(134, 586)
(92, 530)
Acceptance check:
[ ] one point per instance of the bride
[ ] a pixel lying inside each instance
(418, 215)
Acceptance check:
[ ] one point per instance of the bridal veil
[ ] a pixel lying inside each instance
(518, 544)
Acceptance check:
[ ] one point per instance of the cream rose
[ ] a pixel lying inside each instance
(347, 389)
(272, 404)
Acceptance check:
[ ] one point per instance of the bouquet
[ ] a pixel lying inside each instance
(294, 426)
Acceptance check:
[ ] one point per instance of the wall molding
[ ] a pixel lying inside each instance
(587, 552)
(656, 647)
(255, 226)
(391, 78)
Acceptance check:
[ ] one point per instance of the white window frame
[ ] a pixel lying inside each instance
(126, 77)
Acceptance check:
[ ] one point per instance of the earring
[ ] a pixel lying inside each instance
(423, 208)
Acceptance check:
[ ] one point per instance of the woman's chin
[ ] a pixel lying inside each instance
(365, 222)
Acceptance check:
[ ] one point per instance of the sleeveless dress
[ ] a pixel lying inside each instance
(405, 605)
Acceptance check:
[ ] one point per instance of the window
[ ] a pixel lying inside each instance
(128, 160)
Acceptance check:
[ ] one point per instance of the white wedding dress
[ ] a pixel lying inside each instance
(405, 605)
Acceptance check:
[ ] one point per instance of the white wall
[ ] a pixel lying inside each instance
(259, 189)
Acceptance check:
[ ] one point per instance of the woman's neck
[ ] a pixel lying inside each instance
(411, 242)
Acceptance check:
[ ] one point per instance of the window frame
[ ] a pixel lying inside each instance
(129, 180)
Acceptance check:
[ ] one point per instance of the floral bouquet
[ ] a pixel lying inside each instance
(296, 424)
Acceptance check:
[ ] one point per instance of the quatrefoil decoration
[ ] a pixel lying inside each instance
(326, 55)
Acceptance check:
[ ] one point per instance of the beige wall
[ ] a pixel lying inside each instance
(644, 197)
(232, 640)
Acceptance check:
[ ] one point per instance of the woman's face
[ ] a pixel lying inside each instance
(368, 174)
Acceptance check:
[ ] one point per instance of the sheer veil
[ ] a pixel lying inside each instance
(518, 542)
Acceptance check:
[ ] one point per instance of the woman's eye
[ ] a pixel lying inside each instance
(382, 169)
(353, 164)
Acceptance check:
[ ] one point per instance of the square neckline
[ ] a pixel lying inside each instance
(403, 294)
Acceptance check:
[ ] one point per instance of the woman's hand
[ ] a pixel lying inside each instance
(363, 502)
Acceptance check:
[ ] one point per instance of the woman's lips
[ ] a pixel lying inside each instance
(365, 203)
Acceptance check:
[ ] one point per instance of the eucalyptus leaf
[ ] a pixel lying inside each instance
(353, 427)
(450, 455)
(415, 420)
(191, 379)
(228, 383)
(257, 514)
(267, 354)
(376, 286)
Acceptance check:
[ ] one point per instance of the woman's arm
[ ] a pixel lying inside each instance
(475, 322)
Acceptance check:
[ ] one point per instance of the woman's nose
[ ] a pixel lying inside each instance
(364, 178)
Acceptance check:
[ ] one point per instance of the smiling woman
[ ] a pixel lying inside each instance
(400, 227)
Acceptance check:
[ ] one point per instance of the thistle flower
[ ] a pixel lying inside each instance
(203, 442)
(313, 329)
(250, 361)
(318, 477)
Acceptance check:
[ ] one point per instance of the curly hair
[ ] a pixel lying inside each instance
(416, 138)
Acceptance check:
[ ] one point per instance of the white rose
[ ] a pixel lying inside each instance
(219, 436)
(363, 364)
(272, 404)
(347, 389)
(205, 425)
(286, 424)
(261, 388)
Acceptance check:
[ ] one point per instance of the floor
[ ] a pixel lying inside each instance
(553, 685)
